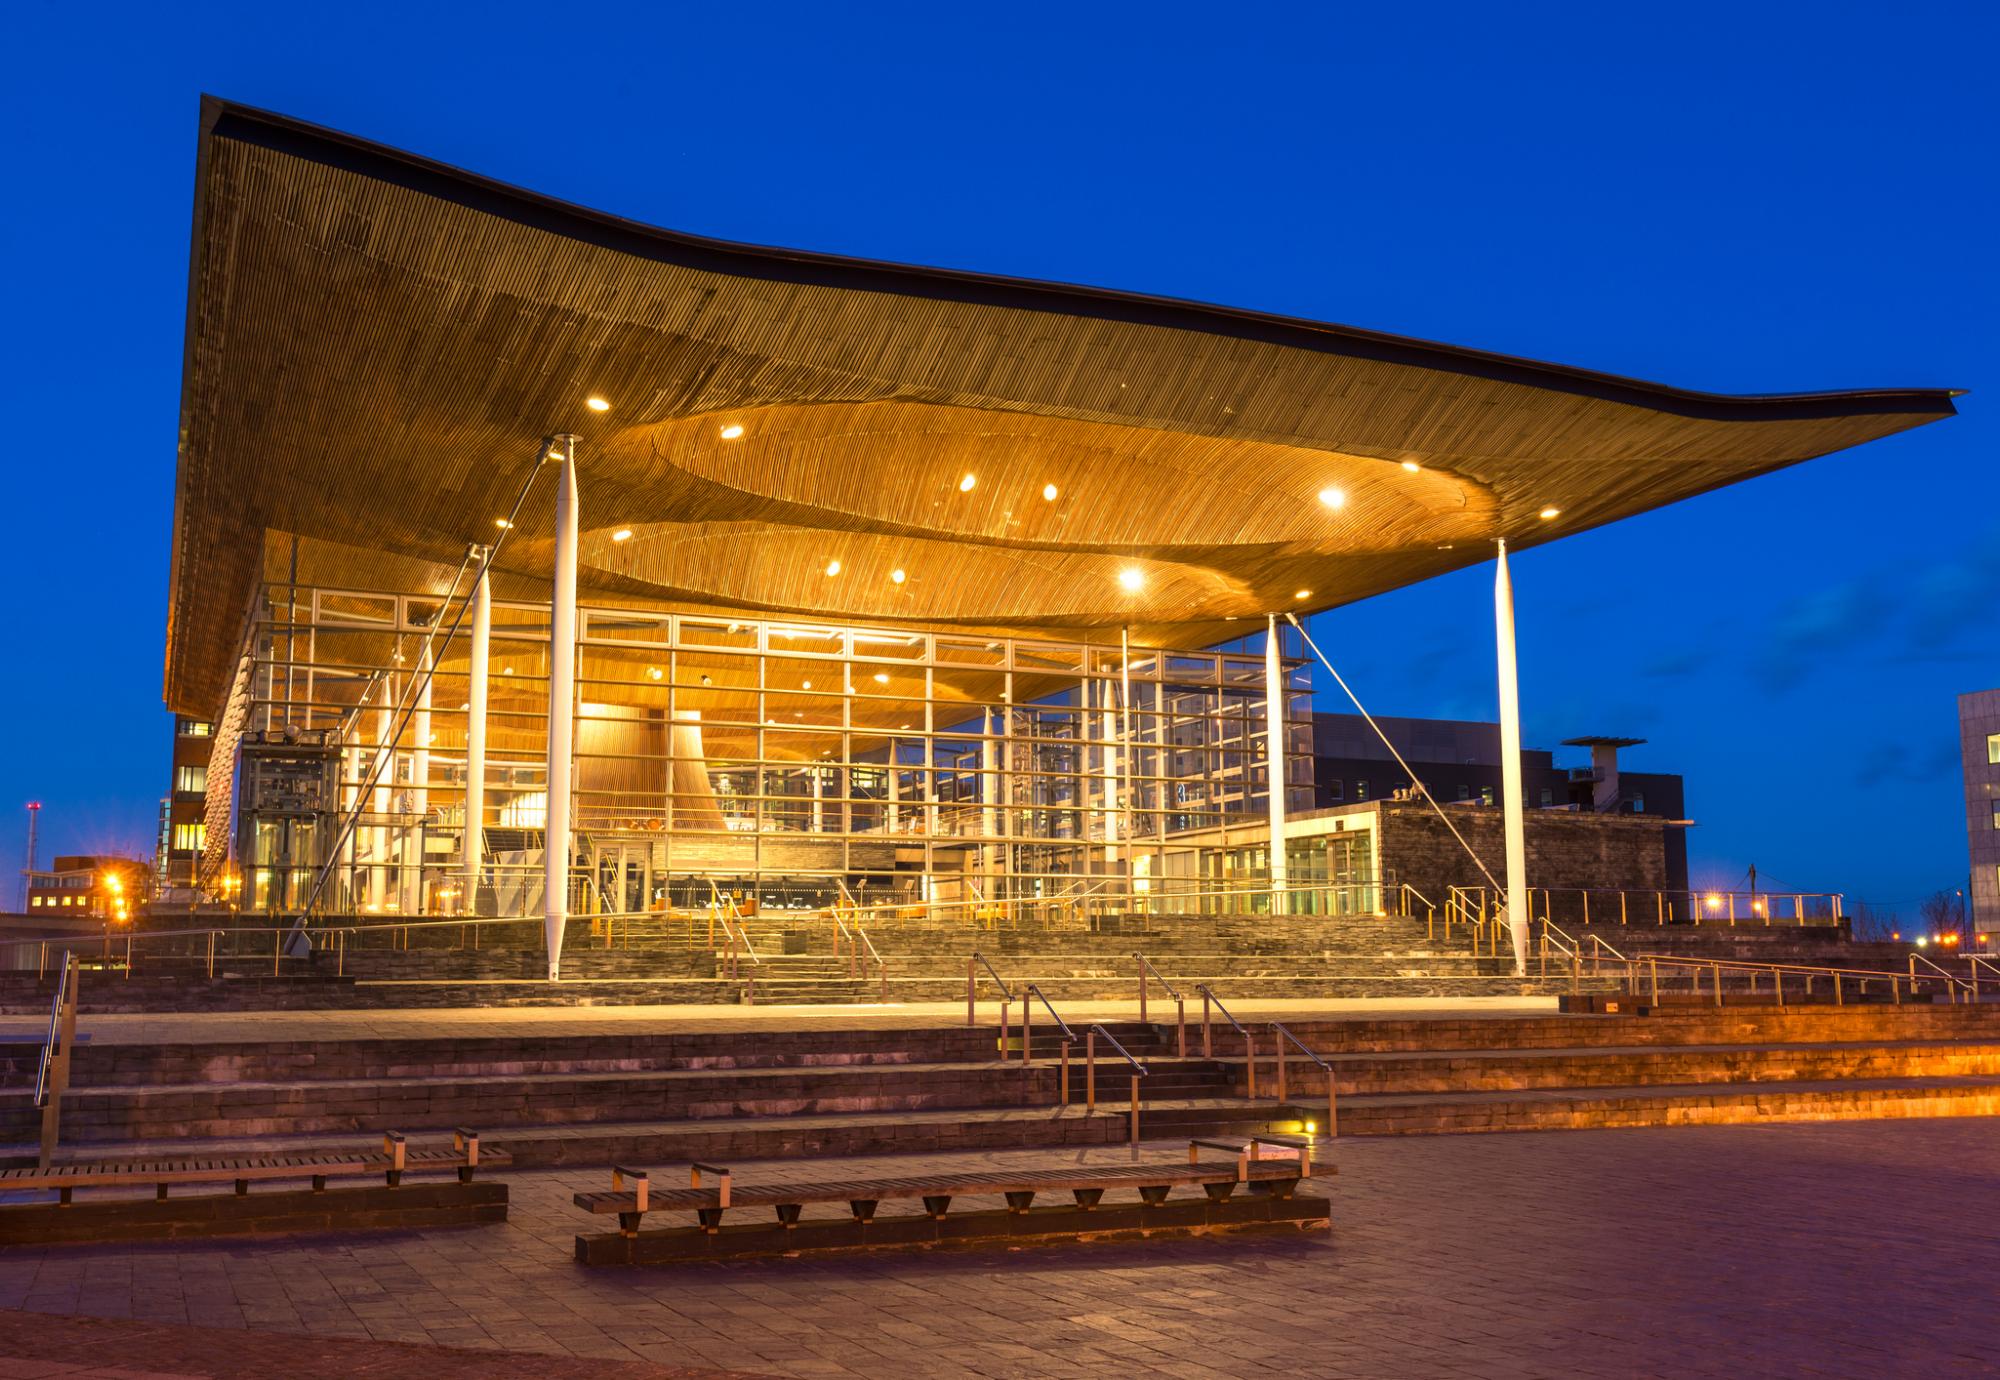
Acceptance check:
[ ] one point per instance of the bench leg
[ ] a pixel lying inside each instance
(937, 1205)
(862, 1208)
(62, 1195)
(1152, 1195)
(319, 1183)
(1086, 1198)
(788, 1214)
(1219, 1193)
(710, 1219)
(465, 1173)
(395, 1177)
(242, 1188)
(628, 1223)
(1019, 1202)
(159, 1193)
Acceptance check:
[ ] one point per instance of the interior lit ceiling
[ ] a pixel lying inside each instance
(377, 344)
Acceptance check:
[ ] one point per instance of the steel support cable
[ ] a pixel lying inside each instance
(1415, 780)
(428, 671)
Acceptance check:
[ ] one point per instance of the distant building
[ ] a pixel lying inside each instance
(1979, 743)
(1459, 763)
(87, 886)
(184, 808)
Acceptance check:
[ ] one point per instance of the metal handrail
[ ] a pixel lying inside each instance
(52, 1046)
(1138, 1069)
(1778, 971)
(1146, 965)
(1280, 1033)
(1976, 962)
(1285, 1033)
(1956, 982)
(1027, 1007)
(1005, 991)
(1208, 995)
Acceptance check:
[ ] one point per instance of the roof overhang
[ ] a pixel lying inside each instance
(377, 343)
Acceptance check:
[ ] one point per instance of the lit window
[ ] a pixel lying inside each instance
(1996, 814)
(1993, 747)
(1485, 796)
(192, 779)
(34, 900)
(1638, 804)
(1361, 789)
(194, 728)
(190, 838)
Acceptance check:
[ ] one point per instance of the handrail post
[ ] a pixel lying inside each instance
(1062, 1085)
(1135, 1116)
(1142, 988)
(1278, 1039)
(1090, 1070)
(1718, 984)
(1005, 1003)
(1180, 1023)
(1027, 1023)
(1250, 1062)
(1653, 971)
(1207, 1044)
(211, 955)
(971, 983)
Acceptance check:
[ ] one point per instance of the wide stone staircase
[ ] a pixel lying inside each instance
(804, 1089)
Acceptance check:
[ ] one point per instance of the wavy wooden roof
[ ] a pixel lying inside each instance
(377, 343)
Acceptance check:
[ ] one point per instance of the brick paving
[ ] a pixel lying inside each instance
(1856, 1248)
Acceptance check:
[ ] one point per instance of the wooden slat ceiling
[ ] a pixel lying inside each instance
(376, 345)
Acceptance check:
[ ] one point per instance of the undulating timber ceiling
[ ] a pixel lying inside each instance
(377, 345)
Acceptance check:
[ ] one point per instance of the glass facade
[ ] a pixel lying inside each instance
(784, 761)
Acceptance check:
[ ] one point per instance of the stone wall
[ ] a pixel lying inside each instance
(1565, 849)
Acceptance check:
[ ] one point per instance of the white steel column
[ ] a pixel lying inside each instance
(562, 708)
(473, 845)
(1276, 734)
(420, 796)
(989, 793)
(385, 775)
(1510, 763)
(1125, 750)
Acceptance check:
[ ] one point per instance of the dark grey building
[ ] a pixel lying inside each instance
(1979, 745)
(1459, 761)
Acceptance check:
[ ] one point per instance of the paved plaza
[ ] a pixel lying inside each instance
(1855, 1248)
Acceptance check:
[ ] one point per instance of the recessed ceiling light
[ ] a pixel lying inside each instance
(965, 484)
(897, 576)
(1302, 594)
(1548, 513)
(706, 681)
(502, 524)
(732, 431)
(881, 677)
(1412, 466)
(654, 673)
(833, 567)
(506, 670)
(622, 534)
(1049, 492)
(1131, 577)
(1332, 497)
(807, 685)
(597, 404)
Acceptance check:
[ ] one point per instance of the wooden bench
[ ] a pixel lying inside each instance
(392, 1162)
(390, 1204)
(1269, 1168)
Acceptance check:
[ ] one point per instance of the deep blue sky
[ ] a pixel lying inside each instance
(1742, 197)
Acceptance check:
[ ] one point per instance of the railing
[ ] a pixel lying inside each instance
(1956, 983)
(1032, 995)
(1090, 1075)
(1808, 974)
(1180, 1006)
(735, 936)
(1474, 905)
(1977, 964)
(1208, 1043)
(52, 1072)
(1280, 1036)
(881, 968)
(972, 967)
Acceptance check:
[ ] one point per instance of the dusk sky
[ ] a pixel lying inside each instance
(1741, 198)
